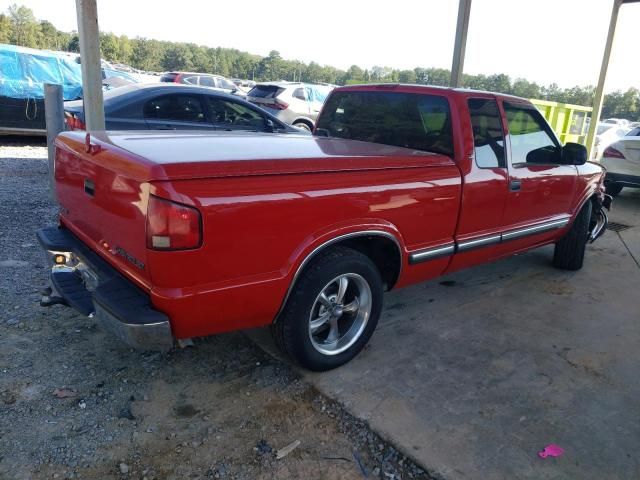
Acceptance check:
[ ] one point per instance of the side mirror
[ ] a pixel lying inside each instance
(270, 127)
(574, 154)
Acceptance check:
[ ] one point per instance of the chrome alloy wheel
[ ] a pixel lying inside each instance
(340, 314)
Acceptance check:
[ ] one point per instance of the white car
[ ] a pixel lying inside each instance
(617, 121)
(622, 161)
(606, 134)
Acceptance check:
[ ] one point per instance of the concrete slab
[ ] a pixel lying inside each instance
(472, 379)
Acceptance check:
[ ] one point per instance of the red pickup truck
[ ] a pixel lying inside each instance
(166, 236)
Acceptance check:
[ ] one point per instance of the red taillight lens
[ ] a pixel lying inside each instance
(279, 105)
(172, 226)
(74, 123)
(611, 152)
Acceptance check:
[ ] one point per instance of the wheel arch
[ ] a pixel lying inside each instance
(382, 247)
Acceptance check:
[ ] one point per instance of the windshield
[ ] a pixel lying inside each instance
(416, 121)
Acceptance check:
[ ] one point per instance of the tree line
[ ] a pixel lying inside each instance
(19, 26)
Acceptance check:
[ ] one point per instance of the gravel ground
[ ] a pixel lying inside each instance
(76, 403)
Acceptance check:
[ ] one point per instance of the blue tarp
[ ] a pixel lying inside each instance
(24, 71)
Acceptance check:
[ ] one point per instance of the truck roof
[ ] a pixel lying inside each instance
(415, 88)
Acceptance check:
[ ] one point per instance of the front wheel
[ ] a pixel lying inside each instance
(332, 310)
(569, 251)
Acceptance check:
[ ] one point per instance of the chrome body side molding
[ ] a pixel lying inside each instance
(432, 253)
(542, 227)
(478, 243)
(485, 241)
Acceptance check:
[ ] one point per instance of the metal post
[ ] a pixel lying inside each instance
(599, 95)
(54, 117)
(464, 12)
(87, 12)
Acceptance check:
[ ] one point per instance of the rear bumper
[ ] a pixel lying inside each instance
(90, 285)
(623, 179)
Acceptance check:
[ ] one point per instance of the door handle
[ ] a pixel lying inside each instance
(514, 185)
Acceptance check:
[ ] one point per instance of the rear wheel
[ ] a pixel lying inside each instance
(569, 252)
(332, 310)
(613, 189)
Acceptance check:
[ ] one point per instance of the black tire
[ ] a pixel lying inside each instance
(292, 328)
(569, 252)
(613, 189)
(303, 125)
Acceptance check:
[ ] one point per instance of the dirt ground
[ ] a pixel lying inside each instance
(76, 403)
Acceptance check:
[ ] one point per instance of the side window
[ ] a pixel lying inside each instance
(488, 138)
(226, 84)
(531, 140)
(299, 94)
(207, 81)
(177, 107)
(192, 80)
(224, 113)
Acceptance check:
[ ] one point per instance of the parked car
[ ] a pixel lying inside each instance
(297, 104)
(622, 161)
(203, 80)
(606, 134)
(164, 106)
(617, 121)
(178, 236)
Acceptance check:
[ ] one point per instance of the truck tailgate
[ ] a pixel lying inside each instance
(103, 196)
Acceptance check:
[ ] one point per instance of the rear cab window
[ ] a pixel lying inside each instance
(410, 120)
(488, 137)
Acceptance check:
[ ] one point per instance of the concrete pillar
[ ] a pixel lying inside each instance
(460, 45)
(87, 12)
(54, 117)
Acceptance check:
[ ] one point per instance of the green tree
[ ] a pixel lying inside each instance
(147, 54)
(178, 57)
(6, 29)
(407, 76)
(25, 29)
(524, 88)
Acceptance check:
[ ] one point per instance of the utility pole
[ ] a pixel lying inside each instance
(92, 101)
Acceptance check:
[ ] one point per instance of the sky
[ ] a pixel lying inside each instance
(546, 41)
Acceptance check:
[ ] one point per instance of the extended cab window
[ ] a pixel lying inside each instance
(488, 138)
(420, 122)
(182, 108)
(531, 138)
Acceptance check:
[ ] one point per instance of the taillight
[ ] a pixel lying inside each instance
(611, 152)
(74, 123)
(172, 226)
(279, 105)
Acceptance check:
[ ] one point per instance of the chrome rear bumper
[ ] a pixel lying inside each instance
(84, 281)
